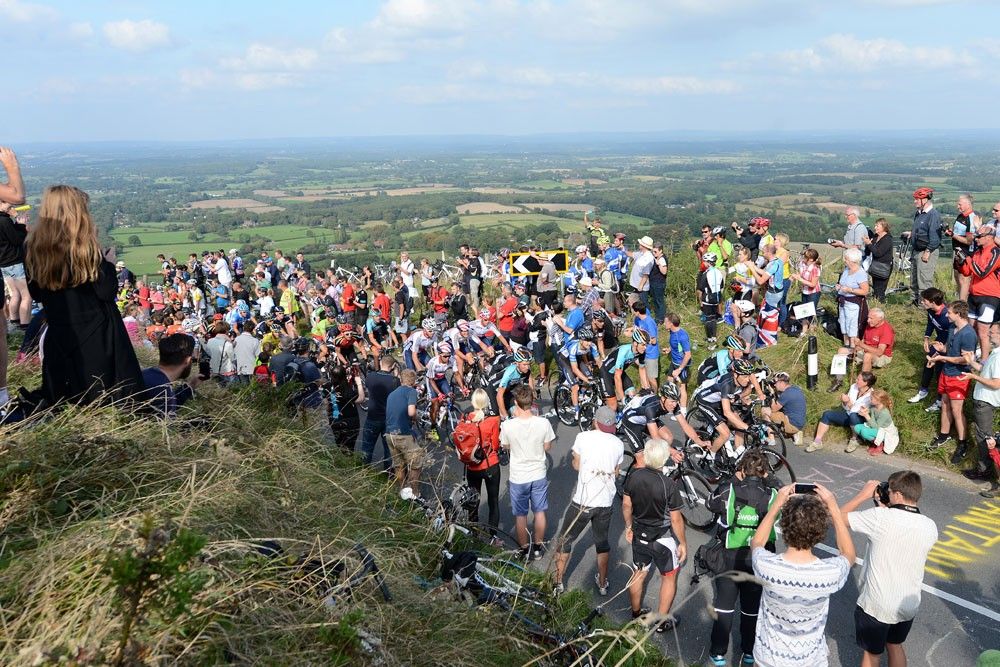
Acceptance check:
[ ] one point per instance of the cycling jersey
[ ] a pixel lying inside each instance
(572, 352)
(512, 377)
(464, 344)
(419, 341)
(486, 332)
(436, 368)
(712, 392)
(379, 330)
(984, 266)
(642, 410)
(714, 365)
(622, 358)
(344, 340)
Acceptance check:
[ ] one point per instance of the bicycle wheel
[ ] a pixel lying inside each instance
(694, 492)
(775, 440)
(481, 535)
(781, 470)
(623, 472)
(552, 383)
(586, 417)
(563, 404)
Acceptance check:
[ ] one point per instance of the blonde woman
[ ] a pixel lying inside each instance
(87, 351)
(488, 471)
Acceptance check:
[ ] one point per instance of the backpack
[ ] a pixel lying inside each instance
(743, 515)
(467, 439)
(292, 372)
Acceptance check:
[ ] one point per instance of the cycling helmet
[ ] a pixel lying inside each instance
(716, 231)
(301, 345)
(581, 248)
(521, 355)
(640, 336)
(670, 391)
(745, 305)
(585, 334)
(743, 367)
(462, 326)
(709, 258)
(762, 223)
(923, 193)
(736, 343)
(504, 252)
(600, 315)
(277, 310)
(444, 348)
(345, 327)
(781, 376)
(429, 324)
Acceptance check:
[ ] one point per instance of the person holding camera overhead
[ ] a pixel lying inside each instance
(984, 300)
(900, 537)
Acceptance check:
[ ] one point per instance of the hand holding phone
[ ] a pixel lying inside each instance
(805, 487)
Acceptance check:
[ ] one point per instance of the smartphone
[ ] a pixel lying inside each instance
(805, 487)
(831, 241)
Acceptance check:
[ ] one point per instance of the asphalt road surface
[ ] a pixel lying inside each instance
(960, 609)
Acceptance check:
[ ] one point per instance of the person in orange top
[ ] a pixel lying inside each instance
(347, 305)
(381, 303)
(878, 341)
(505, 312)
(438, 296)
(984, 293)
(488, 471)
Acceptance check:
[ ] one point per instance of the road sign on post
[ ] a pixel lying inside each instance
(523, 264)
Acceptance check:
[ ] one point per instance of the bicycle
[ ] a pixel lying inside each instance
(582, 415)
(358, 565)
(694, 488)
(453, 513)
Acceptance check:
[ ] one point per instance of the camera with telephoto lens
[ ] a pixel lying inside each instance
(882, 493)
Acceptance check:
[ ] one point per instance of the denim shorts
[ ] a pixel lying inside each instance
(535, 493)
(14, 271)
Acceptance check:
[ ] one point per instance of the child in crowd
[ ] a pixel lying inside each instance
(878, 430)
(808, 276)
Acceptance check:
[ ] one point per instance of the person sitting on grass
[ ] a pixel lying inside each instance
(857, 397)
(878, 429)
(874, 350)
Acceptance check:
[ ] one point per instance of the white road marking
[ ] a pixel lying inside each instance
(944, 595)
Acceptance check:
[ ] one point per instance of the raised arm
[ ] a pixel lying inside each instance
(11, 192)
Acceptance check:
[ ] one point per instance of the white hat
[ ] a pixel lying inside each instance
(586, 281)
(744, 305)
(120, 264)
(232, 251)
(646, 242)
(581, 248)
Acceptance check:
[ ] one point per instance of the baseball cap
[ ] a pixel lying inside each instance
(586, 281)
(619, 235)
(604, 419)
(744, 305)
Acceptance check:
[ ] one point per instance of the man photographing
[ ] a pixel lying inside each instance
(900, 537)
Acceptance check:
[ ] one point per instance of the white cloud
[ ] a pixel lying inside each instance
(25, 12)
(840, 52)
(137, 36)
(81, 30)
(260, 67)
(261, 57)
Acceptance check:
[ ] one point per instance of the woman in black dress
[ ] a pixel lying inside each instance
(345, 421)
(87, 351)
(881, 249)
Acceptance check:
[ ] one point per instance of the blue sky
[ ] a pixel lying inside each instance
(222, 69)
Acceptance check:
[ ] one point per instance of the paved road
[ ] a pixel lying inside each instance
(957, 621)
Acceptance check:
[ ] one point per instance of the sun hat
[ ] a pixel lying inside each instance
(646, 242)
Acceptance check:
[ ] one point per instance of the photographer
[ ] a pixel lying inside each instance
(12, 237)
(984, 299)
(749, 237)
(900, 537)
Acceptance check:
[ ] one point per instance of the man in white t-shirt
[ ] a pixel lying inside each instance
(900, 537)
(527, 438)
(985, 402)
(221, 269)
(642, 264)
(406, 272)
(597, 456)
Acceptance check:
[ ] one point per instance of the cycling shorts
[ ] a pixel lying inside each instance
(607, 384)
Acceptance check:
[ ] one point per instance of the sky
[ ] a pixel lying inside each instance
(227, 69)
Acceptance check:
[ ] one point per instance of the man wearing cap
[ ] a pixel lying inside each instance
(581, 266)
(588, 297)
(642, 264)
(925, 237)
(124, 275)
(547, 282)
(597, 456)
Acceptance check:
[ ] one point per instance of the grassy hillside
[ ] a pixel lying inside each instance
(128, 541)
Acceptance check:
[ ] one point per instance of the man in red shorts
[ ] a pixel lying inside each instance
(953, 384)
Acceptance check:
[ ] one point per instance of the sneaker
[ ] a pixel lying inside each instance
(717, 661)
(641, 612)
(603, 590)
(960, 452)
(852, 445)
(934, 407)
(938, 442)
(992, 492)
(523, 552)
(558, 589)
(976, 475)
(877, 450)
(668, 625)
(747, 659)
(797, 439)
(537, 551)
(814, 447)
(919, 396)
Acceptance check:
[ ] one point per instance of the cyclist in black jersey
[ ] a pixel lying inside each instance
(604, 333)
(718, 401)
(640, 421)
(575, 360)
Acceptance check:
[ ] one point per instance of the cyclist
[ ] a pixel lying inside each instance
(487, 334)
(719, 401)
(463, 344)
(416, 346)
(615, 382)
(640, 421)
(437, 369)
(284, 322)
(518, 372)
(605, 336)
(574, 361)
(376, 333)
(327, 322)
(344, 341)
(717, 364)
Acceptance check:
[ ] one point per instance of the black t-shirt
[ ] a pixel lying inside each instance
(242, 294)
(401, 298)
(380, 385)
(607, 335)
(475, 268)
(361, 300)
(459, 306)
(752, 241)
(654, 495)
(657, 279)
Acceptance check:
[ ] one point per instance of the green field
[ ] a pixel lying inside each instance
(544, 184)
(142, 259)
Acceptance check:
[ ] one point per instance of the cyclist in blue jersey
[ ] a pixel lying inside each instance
(376, 333)
(575, 360)
(717, 363)
(615, 382)
(519, 372)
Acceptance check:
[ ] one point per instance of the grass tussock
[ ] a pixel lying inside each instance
(132, 541)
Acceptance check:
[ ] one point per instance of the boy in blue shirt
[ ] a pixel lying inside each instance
(680, 357)
(644, 321)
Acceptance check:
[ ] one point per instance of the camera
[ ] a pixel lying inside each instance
(882, 493)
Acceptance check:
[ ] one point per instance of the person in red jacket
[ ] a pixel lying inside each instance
(507, 304)
(984, 293)
(488, 471)
(438, 296)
